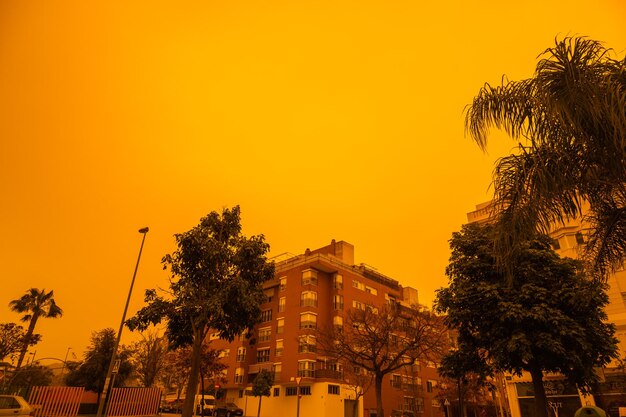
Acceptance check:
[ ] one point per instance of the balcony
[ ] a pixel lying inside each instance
(257, 367)
(328, 374)
(405, 386)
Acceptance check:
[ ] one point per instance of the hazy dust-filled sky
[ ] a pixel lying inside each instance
(322, 119)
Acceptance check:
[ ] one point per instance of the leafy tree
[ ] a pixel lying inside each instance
(30, 376)
(466, 375)
(91, 373)
(570, 122)
(176, 368)
(35, 303)
(381, 342)
(549, 318)
(262, 385)
(216, 283)
(211, 368)
(12, 338)
(148, 357)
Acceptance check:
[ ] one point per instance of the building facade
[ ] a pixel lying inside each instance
(310, 292)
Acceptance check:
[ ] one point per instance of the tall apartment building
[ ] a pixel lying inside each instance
(568, 241)
(309, 292)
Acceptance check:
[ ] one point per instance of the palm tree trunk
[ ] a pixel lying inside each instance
(27, 337)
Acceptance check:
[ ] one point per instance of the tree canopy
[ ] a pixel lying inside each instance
(216, 283)
(549, 318)
(570, 122)
(12, 339)
(385, 340)
(148, 357)
(35, 303)
(91, 373)
(262, 385)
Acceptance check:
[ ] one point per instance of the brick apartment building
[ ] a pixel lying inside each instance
(309, 292)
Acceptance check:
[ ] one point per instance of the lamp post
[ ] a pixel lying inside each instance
(65, 361)
(103, 397)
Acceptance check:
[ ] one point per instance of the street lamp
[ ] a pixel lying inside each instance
(65, 361)
(103, 397)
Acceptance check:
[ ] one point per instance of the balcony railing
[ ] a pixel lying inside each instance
(406, 386)
(328, 374)
(257, 367)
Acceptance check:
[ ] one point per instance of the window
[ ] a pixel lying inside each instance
(338, 281)
(291, 391)
(241, 354)
(239, 375)
(269, 295)
(396, 381)
(338, 302)
(224, 353)
(280, 325)
(555, 244)
(308, 299)
(279, 348)
(358, 284)
(580, 238)
(306, 369)
(265, 334)
(263, 355)
(419, 405)
(266, 315)
(371, 290)
(309, 277)
(371, 308)
(306, 344)
(333, 389)
(282, 302)
(430, 384)
(283, 283)
(358, 305)
(306, 390)
(338, 323)
(308, 321)
(409, 404)
(276, 369)
(276, 392)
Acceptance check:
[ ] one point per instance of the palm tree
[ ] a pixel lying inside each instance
(35, 303)
(569, 120)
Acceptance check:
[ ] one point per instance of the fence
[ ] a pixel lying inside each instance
(133, 402)
(55, 401)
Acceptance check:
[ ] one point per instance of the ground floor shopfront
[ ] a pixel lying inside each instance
(563, 398)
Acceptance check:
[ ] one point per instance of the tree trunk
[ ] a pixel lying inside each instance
(27, 336)
(258, 413)
(192, 383)
(541, 401)
(378, 387)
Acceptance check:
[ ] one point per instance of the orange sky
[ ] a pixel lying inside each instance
(322, 119)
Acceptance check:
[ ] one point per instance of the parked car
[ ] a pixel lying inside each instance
(204, 406)
(228, 410)
(15, 406)
(172, 406)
